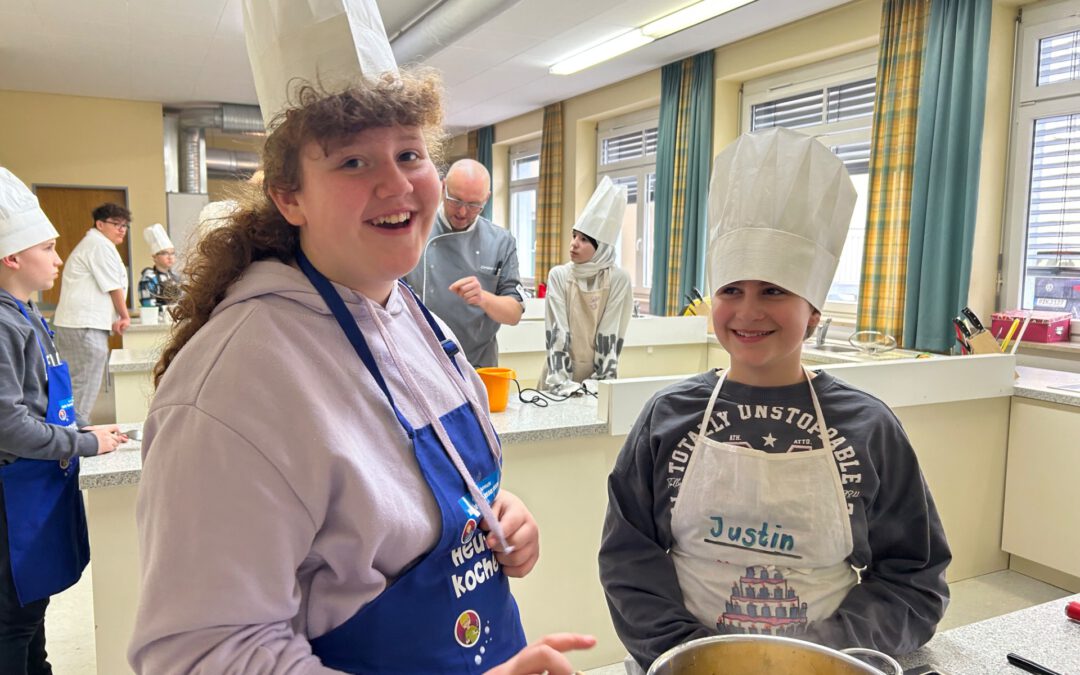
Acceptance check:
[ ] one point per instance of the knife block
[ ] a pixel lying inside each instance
(984, 343)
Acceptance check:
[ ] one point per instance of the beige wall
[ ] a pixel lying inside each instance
(993, 166)
(79, 141)
(833, 33)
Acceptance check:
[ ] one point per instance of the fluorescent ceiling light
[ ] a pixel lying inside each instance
(638, 37)
(601, 52)
(690, 16)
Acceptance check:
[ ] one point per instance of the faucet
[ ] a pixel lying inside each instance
(822, 329)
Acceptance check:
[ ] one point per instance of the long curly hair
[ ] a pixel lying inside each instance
(256, 230)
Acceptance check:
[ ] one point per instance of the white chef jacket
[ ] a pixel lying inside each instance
(92, 270)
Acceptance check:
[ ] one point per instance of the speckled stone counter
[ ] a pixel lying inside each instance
(1040, 633)
(120, 467)
(522, 423)
(132, 360)
(139, 327)
(1039, 383)
(519, 423)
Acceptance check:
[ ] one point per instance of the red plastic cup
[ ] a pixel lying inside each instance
(1072, 610)
(541, 290)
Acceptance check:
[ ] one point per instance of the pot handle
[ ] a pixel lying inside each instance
(892, 666)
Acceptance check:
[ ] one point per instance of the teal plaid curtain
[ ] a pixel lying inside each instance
(683, 159)
(948, 146)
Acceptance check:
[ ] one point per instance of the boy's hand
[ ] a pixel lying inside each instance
(108, 437)
(121, 325)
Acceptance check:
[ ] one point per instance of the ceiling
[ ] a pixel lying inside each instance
(192, 51)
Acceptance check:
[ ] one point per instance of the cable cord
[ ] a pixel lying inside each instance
(541, 399)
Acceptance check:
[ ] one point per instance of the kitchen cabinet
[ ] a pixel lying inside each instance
(1041, 516)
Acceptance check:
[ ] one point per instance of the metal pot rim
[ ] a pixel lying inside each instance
(670, 654)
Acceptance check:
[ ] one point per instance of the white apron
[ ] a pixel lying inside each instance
(585, 309)
(761, 540)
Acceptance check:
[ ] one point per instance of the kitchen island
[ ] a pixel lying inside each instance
(1041, 633)
(558, 458)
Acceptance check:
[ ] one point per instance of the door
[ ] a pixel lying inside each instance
(69, 209)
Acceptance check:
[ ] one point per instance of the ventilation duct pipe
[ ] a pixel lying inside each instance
(443, 25)
(233, 119)
(230, 163)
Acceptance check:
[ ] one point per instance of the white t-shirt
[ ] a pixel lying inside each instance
(92, 270)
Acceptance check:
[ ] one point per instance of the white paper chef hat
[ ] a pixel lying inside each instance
(22, 222)
(216, 214)
(780, 204)
(325, 41)
(602, 217)
(157, 238)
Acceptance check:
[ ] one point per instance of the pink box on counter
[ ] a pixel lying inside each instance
(1044, 326)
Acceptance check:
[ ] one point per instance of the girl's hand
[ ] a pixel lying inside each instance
(545, 656)
(521, 532)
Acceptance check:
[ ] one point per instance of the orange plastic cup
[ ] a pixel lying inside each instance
(497, 383)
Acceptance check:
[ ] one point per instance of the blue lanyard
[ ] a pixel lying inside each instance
(352, 330)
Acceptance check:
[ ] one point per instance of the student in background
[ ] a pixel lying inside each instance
(43, 540)
(589, 300)
(159, 285)
(93, 301)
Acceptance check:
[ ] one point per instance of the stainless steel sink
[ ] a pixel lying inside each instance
(834, 348)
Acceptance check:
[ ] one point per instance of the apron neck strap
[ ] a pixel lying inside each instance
(823, 430)
(352, 330)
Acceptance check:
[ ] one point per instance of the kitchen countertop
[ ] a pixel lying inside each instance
(519, 423)
(1036, 383)
(132, 360)
(139, 327)
(1040, 633)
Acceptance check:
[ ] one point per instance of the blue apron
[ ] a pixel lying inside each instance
(451, 612)
(47, 538)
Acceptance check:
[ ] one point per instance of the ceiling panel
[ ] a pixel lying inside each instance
(18, 27)
(464, 63)
(548, 18)
(95, 11)
(192, 51)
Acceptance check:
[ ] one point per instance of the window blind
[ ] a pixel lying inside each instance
(841, 102)
(633, 145)
(1059, 58)
(1054, 193)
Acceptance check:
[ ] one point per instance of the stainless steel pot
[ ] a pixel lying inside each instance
(767, 655)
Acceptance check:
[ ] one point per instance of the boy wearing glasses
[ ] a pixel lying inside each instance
(93, 301)
(468, 273)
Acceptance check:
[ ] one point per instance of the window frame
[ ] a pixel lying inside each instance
(517, 152)
(1030, 103)
(860, 65)
(640, 168)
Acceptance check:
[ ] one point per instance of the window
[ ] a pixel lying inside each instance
(834, 102)
(524, 185)
(1041, 253)
(626, 152)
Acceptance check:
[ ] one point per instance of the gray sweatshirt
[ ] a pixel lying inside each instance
(895, 527)
(24, 393)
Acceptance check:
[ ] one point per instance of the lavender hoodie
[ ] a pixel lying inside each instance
(279, 494)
